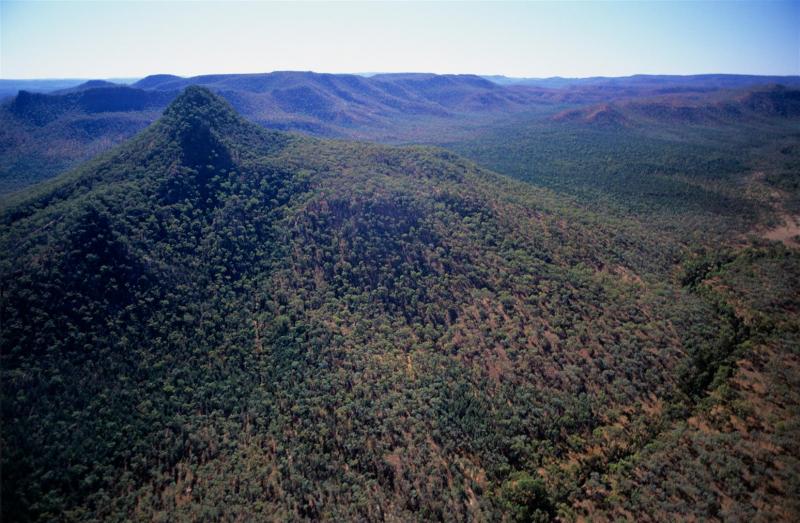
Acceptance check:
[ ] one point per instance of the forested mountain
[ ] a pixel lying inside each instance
(85, 86)
(392, 93)
(217, 321)
(41, 135)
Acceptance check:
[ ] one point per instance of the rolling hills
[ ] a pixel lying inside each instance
(214, 320)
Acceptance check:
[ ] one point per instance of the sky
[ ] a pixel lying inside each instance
(118, 39)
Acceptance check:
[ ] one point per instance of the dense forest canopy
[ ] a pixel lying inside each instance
(218, 321)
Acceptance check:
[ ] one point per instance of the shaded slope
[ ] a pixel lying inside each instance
(40, 109)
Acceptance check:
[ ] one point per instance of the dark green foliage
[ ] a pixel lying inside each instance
(699, 268)
(215, 321)
(711, 360)
(526, 499)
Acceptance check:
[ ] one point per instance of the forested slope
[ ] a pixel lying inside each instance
(737, 457)
(215, 320)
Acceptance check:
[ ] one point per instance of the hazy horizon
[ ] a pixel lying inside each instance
(131, 79)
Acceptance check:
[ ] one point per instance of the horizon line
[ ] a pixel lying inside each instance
(370, 74)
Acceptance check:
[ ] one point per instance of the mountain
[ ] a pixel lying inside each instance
(10, 88)
(40, 109)
(217, 321)
(85, 86)
(349, 98)
(718, 164)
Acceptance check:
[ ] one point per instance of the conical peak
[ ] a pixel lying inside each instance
(198, 104)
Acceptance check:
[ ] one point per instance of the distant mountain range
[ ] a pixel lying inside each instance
(9, 88)
(656, 82)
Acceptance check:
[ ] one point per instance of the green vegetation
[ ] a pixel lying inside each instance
(216, 321)
(737, 456)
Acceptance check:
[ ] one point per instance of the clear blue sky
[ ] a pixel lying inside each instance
(130, 39)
